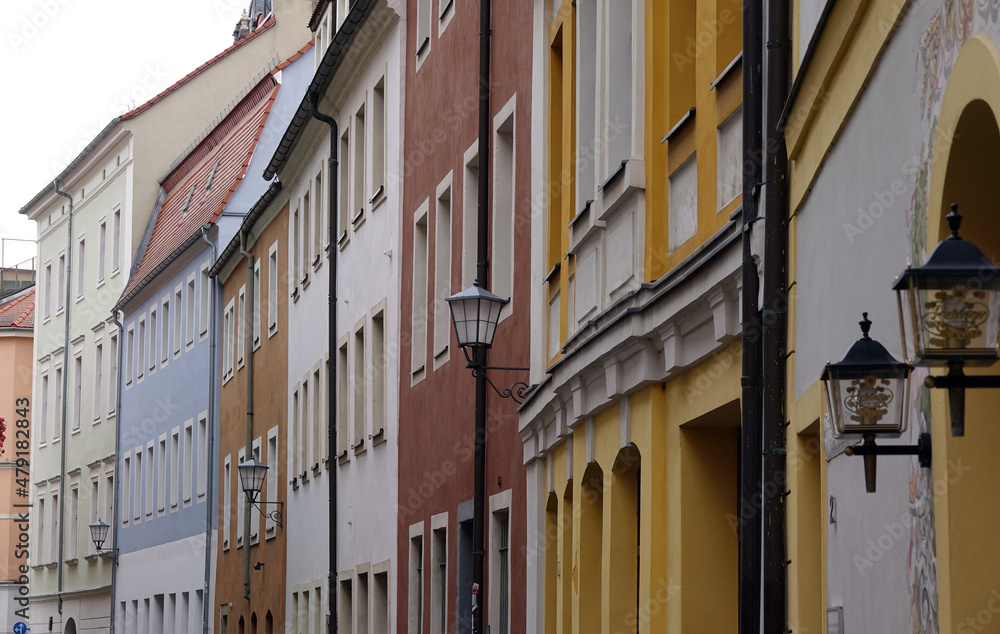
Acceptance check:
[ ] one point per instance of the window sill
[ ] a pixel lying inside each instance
(317, 262)
(91, 557)
(72, 562)
(343, 240)
(378, 437)
(377, 198)
(304, 282)
(342, 458)
(51, 565)
(74, 432)
(358, 219)
(79, 298)
(359, 448)
(295, 294)
(100, 283)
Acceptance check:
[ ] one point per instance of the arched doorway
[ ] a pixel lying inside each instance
(70, 626)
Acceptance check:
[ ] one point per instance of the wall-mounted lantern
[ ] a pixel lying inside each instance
(252, 473)
(868, 395)
(949, 311)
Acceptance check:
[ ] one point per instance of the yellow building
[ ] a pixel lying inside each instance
(894, 116)
(631, 437)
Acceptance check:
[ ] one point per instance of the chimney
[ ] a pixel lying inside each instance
(242, 28)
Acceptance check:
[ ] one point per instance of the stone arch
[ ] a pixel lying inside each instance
(624, 540)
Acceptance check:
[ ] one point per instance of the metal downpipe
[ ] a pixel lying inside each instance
(212, 369)
(248, 361)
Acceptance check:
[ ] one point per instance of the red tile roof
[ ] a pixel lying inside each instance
(222, 157)
(19, 312)
(186, 78)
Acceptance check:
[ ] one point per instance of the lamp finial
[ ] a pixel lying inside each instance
(865, 324)
(954, 221)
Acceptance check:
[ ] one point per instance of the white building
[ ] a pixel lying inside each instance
(358, 78)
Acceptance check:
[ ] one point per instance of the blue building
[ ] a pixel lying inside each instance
(167, 504)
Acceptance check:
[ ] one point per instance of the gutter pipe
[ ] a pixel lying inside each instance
(65, 388)
(774, 317)
(331, 363)
(212, 380)
(751, 462)
(248, 361)
(116, 507)
(479, 593)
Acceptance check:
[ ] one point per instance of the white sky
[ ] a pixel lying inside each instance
(74, 65)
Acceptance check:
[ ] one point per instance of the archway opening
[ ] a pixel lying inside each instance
(625, 527)
(591, 574)
(70, 627)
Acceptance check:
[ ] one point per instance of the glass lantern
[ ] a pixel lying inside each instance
(475, 313)
(868, 391)
(252, 473)
(949, 308)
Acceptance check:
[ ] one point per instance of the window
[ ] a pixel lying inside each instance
(345, 604)
(360, 392)
(617, 132)
(729, 183)
(587, 96)
(241, 317)
(95, 509)
(178, 316)
(188, 474)
(61, 287)
(56, 430)
(378, 139)
(439, 575)
(41, 529)
(442, 271)
(272, 482)
(343, 438)
(241, 505)
(296, 235)
(141, 348)
(45, 409)
(361, 619)
(463, 576)
(378, 381)
(227, 341)
(116, 240)
(77, 391)
(161, 474)
(380, 603)
(81, 266)
(102, 247)
(344, 206)
(47, 299)
(202, 454)
(126, 488)
(227, 501)
(297, 440)
(98, 380)
(54, 545)
(73, 537)
(423, 28)
(254, 516)
(470, 217)
(317, 206)
(113, 375)
(502, 263)
(165, 332)
(305, 427)
(175, 472)
(317, 419)
(256, 317)
(416, 584)
(190, 311)
(418, 327)
(137, 485)
(206, 290)
(682, 205)
(150, 471)
(359, 165)
(272, 290)
(500, 571)
(109, 498)
(152, 340)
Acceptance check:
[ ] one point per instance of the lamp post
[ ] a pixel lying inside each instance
(950, 308)
(99, 534)
(475, 313)
(252, 474)
(868, 396)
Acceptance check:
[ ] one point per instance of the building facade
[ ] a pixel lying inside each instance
(899, 103)
(357, 82)
(631, 434)
(251, 549)
(441, 175)
(17, 324)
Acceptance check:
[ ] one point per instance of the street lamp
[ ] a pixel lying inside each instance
(868, 395)
(475, 313)
(99, 534)
(252, 474)
(949, 312)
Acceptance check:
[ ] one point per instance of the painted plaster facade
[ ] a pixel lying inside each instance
(17, 409)
(898, 101)
(631, 437)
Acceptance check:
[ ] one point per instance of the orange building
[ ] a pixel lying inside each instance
(250, 569)
(17, 327)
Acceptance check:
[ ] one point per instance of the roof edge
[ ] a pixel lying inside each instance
(249, 220)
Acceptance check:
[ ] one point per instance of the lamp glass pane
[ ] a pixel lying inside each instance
(865, 404)
(956, 321)
(99, 532)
